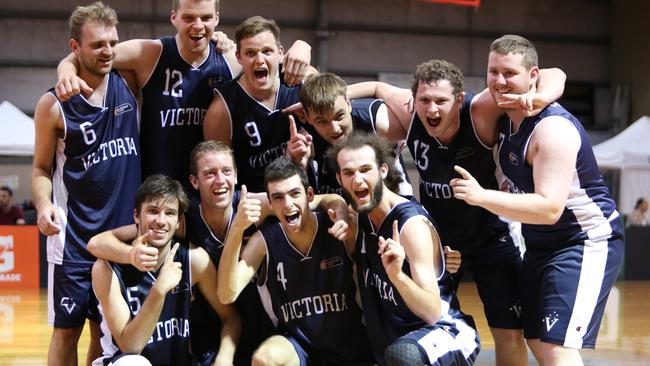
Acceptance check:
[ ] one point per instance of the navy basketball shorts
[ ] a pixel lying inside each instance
(446, 343)
(312, 357)
(497, 272)
(564, 291)
(70, 296)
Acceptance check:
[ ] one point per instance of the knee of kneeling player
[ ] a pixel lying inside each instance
(404, 354)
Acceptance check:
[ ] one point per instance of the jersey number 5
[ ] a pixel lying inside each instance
(134, 301)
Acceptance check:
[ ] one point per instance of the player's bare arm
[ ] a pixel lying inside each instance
(234, 274)
(205, 274)
(217, 124)
(49, 127)
(132, 335)
(417, 242)
(553, 152)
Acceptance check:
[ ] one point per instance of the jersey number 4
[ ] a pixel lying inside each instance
(280, 277)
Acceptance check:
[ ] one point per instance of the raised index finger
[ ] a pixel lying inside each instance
(172, 253)
(395, 231)
(293, 130)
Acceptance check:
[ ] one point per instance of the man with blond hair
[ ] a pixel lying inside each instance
(86, 167)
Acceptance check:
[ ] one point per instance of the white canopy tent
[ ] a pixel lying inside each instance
(17, 137)
(629, 152)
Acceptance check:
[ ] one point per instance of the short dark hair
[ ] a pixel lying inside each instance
(283, 168)
(254, 26)
(434, 71)
(8, 190)
(206, 147)
(96, 12)
(511, 43)
(383, 155)
(161, 187)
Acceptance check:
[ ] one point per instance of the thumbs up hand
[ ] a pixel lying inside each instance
(142, 256)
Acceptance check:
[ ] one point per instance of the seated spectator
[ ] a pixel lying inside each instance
(11, 214)
(638, 216)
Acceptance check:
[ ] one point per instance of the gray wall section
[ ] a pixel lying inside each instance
(364, 37)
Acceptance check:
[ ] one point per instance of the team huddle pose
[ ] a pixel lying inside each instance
(211, 203)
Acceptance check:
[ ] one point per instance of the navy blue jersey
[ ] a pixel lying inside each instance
(386, 314)
(589, 208)
(96, 172)
(258, 135)
(175, 100)
(205, 322)
(463, 226)
(312, 296)
(169, 343)
(364, 116)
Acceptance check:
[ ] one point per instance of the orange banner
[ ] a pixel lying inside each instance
(19, 267)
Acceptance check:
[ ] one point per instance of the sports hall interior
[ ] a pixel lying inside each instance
(601, 45)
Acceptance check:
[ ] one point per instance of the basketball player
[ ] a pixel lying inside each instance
(307, 284)
(213, 175)
(177, 76)
(86, 166)
(147, 313)
(573, 233)
(450, 127)
(332, 118)
(409, 306)
(247, 113)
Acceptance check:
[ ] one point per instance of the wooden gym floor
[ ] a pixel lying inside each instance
(624, 337)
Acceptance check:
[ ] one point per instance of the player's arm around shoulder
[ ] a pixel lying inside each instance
(204, 274)
(485, 117)
(139, 56)
(421, 247)
(217, 123)
(394, 117)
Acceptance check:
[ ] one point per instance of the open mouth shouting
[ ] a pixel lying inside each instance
(434, 122)
(292, 218)
(362, 194)
(261, 74)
